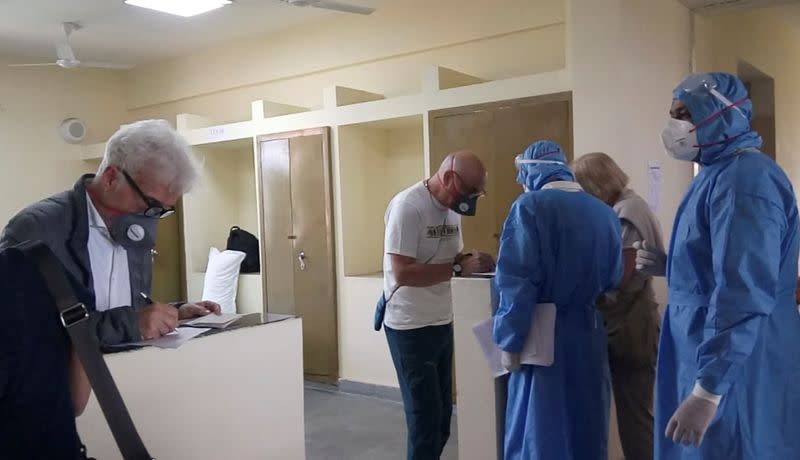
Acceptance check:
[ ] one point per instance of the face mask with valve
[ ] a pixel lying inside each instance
(134, 231)
(464, 204)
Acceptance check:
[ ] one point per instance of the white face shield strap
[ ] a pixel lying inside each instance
(519, 161)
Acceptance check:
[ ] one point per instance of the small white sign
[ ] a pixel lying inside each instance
(216, 133)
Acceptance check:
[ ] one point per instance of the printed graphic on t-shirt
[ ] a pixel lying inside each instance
(442, 231)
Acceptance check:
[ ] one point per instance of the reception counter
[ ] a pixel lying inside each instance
(480, 399)
(478, 411)
(236, 393)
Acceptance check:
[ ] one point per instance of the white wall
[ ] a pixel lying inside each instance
(34, 161)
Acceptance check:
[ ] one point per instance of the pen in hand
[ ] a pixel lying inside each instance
(150, 301)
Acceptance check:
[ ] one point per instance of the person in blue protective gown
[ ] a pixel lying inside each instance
(728, 377)
(559, 245)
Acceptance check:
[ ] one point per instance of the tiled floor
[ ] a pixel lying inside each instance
(341, 426)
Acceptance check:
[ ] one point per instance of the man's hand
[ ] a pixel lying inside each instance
(157, 319)
(202, 308)
(477, 262)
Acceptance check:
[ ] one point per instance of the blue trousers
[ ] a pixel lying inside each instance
(423, 359)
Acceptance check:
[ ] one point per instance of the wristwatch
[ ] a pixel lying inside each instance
(457, 268)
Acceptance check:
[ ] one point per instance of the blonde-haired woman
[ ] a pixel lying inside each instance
(630, 312)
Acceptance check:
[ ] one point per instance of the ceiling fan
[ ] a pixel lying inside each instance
(65, 57)
(331, 5)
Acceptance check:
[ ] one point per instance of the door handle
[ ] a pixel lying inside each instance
(302, 259)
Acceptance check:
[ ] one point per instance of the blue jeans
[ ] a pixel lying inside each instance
(423, 359)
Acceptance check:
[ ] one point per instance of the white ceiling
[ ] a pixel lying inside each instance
(125, 34)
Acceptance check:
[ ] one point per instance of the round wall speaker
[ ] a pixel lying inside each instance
(73, 130)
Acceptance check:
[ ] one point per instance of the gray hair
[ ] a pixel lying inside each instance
(600, 176)
(153, 147)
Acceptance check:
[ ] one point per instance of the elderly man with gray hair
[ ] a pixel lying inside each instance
(103, 229)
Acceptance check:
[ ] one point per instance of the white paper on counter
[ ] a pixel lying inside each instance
(174, 339)
(220, 321)
(539, 348)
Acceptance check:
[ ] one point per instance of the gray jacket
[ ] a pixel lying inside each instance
(631, 313)
(62, 222)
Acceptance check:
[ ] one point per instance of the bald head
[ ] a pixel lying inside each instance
(468, 167)
(461, 177)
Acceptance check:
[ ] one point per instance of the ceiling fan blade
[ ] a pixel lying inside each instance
(43, 64)
(343, 7)
(106, 65)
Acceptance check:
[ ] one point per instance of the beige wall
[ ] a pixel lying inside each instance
(362, 161)
(625, 58)
(762, 39)
(607, 46)
(225, 196)
(376, 162)
(385, 55)
(34, 161)
(612, 43)
(490, 39)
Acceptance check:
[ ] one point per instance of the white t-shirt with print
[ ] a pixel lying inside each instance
(418, 226)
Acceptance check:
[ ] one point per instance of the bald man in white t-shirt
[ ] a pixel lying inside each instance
(423, 251)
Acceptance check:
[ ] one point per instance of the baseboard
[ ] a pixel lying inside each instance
(369, 389)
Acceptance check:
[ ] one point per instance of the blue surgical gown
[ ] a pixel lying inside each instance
(564, 248)
(732, 324)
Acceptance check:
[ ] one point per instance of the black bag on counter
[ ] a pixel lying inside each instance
(246, 242)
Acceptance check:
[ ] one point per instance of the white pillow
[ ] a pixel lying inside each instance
(222, 278)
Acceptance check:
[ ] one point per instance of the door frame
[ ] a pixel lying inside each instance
(329, 221)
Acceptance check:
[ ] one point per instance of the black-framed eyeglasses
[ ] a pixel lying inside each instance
(154, 207)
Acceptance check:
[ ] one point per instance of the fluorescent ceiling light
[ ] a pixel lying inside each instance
(185, 8)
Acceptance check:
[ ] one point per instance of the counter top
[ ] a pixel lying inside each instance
(246, 321)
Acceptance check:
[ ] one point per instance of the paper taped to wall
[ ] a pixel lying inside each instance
(654, 179)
